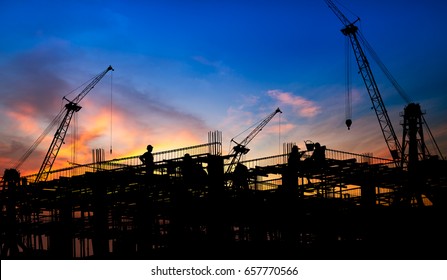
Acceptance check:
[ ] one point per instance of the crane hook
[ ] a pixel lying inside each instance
(348, 123)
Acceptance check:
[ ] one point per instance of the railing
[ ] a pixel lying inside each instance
(266, 161)
(350, 192)
(360, 158)
(214, 148)
(330, 154)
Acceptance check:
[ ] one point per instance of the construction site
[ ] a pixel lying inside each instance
(196, 202)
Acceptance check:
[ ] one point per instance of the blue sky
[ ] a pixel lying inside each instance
(183, 68)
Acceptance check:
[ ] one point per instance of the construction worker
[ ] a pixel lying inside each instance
(193, 173)
(293, 163)
(148, 160)
(318, 157)
(240, 177)
(316, 161)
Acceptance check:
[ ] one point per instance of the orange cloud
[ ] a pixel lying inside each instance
(129, 137)
(304, 107)
(22, 120)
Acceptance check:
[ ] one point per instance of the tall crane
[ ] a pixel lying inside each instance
(413, 148)
(241, 148)
(351, 30)
(413, 155)
(67, 112)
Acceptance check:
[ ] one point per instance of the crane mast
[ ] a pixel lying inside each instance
(70, 108)
(241, 148)
(413, 155)
(386, 126)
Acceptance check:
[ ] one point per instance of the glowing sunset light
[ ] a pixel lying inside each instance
(24, 123)
(187, 69)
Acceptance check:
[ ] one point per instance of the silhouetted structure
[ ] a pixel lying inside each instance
(351, 211)
(194, 176)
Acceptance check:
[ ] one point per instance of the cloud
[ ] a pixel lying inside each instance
(33, 85)
(32, 93)
(217, 66)
(304, 107)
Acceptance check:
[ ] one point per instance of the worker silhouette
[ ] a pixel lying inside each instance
(318, 157)
(240, 177)
(192, 172)
(316, 161)
(148, 160)
(293, 166)
(187, 168)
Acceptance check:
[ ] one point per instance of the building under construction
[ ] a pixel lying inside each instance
(353, 207)
(197, 203)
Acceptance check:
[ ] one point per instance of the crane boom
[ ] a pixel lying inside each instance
(351, 30)
(70, 108)
(418, 158)
(241, 148)
(91, 85)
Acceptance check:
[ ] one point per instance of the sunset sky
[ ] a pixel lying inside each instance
(184, 68)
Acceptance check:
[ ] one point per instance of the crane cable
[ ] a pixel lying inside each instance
(36, 143)
(74, 130)
(74, 126)
(348, 99)
(397, 86)
(57, 119)
(384, 69)
(111, 111)
(279, 135)
(232, 139)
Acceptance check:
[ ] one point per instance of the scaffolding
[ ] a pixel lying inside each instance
(112, 210)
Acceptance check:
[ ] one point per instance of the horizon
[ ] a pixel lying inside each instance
(184, 69)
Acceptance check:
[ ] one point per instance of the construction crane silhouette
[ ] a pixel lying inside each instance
(413, 156)
(63, 118)
(241, 148)
(413, 137)
(351, 30)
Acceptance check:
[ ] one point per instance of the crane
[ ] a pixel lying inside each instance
(67, 112)
(241, 148)
(413, 136)
(351, 30)
(413, 155)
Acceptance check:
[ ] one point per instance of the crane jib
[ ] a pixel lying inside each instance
(351, 30)
(241, 148)
(70, 108)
